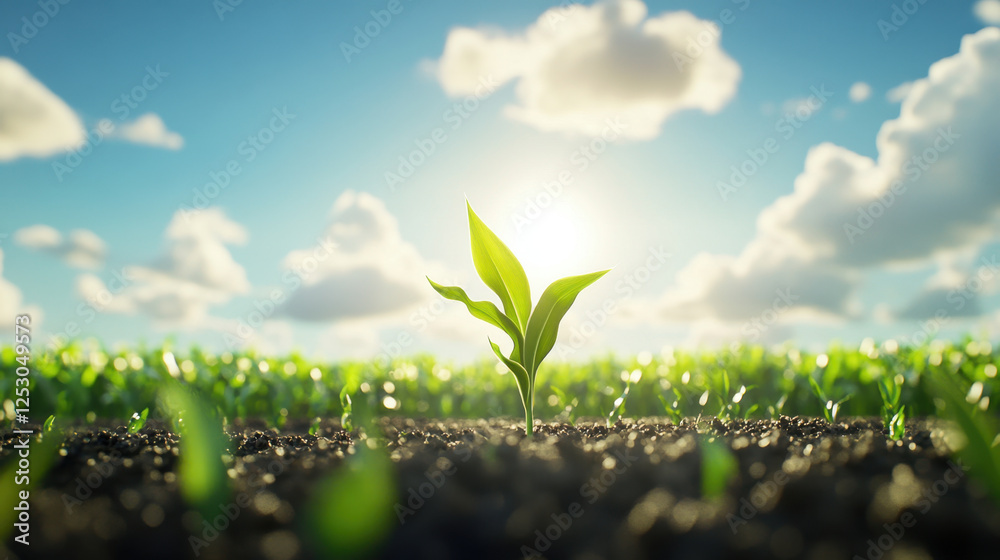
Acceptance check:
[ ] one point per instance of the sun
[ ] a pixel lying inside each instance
(550, 245)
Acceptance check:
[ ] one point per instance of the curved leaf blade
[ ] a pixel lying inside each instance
(486, 311)
(500, 270)
(543, 327)
(520, 375)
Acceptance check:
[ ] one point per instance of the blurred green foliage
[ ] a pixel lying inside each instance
(83, 380)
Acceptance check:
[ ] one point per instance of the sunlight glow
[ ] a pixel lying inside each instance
(550, 246)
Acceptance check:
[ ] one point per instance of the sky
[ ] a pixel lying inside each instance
(283, 177)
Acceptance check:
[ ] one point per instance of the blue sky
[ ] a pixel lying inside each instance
(202, 81)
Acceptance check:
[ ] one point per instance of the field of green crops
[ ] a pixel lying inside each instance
(87, 382)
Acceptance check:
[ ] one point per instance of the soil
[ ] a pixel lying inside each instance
(480, 489)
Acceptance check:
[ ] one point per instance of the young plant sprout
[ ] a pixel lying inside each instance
(49, 423)
(533, 332)
(346, 419)
(830, 408)
(618, 408)
(893, 414)
(566, 404)
(138, 420)
(673, 409)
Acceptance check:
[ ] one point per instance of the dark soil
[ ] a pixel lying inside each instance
(480, 490)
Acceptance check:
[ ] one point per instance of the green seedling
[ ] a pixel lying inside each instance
(138, 420)
(347, 416)
(567, 405)
(774, 411)
(893, 414)
(315, 426)
(673, 409)
(735, 407)
(47, 426)
(618, 407)
(830, 408)
(532, 332)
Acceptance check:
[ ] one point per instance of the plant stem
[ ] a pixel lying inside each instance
(529, 405)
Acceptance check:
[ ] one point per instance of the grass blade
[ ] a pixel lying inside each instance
(540, 336)
(486, 311)
(500, 270)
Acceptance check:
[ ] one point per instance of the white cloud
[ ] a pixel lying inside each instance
(577, 67)
(361, 267)
(81, 248)
(988, 11)
(12, 304)
(149, 129)
(844, 218)
(33, 120)
(899, 93)
(194, 273)
(859, 92)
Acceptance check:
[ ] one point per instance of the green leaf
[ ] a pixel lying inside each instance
(520, 375)
(201, 473)
(47, 426)
(486, 311)
(718, 467)
(138, 420)
(980, 430)
(543, 327)
(500, 270)
(351, 511)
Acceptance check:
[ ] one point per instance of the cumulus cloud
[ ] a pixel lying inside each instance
(149, 129)
(953, 292)
(195, 272)
(12, 304)
(988, 11)
(859, 92)
(81, 248)
(33, 120)
(577, 67)
(930, 193)
(899, 93)
(360, 266)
